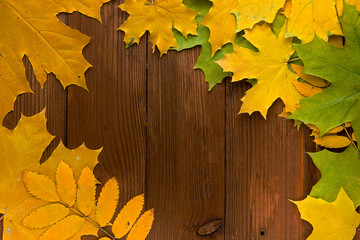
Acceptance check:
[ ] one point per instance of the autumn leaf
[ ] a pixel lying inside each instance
(40, 186)
(32, 28)
(269, 66)
(65, 184)
(64, 229)
(330, 220)
(338, 170)
(46, 216)
(339, 102)
(142, 227)
(20, 150)
(333, 141)
(221, 12)
(106, 204)
(311, 17)
(86, 191)
(249, 12)
(315, 81)
(158, 17)
(127, 216)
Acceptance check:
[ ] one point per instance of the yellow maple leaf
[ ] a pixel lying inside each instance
(158, 17)
(339, 5)
(107, 202)
(32, 28)
(221, 12)
(313, 80)
(269, 66)
(249, 12)
(306, 89)
(330, 220)
(313, 16)
(127, 216)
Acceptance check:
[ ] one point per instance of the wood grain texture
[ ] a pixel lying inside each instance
(266, 166)
(186, 151)
(112, 114)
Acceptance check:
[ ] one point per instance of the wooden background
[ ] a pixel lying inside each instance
(165, 135)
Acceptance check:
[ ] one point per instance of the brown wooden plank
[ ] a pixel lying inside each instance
(112, 114)
(266, 166)
(185, 163)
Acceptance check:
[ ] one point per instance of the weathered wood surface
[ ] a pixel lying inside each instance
(164, 134)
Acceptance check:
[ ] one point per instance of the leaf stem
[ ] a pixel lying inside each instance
(2, 217)
(90, 220)
(350, 138)
(294, 59)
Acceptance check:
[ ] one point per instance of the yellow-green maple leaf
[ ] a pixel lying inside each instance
(223, 33)
(269, 66)
(158, 17)
(311, 17)
(249, 12)
(32, 28)
(330, 220)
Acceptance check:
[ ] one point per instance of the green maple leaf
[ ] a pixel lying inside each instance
(340, 102)
(337, 170)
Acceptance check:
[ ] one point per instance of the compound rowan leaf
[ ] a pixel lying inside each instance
(40, 186)
(107, 202)
(65, 184)
(338, 170)
(46, 216)
(142, 227)
(311, 17)
(127, 216)
(86, 191)
(339, 102)
(249, 12)
(64, 229)
(158, 17)
(20, 151)
(330, 220)
(221, 12)
(32, 28)
(269, 66)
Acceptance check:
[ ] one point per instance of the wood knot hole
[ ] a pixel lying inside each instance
(210, 227)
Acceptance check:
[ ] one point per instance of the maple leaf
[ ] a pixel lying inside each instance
(32, 28)
(331, 221)
(338, 170)
(158, 17)
(269, 66)
(221, 12)
(311, 17)
(249, 12)
(339, 102)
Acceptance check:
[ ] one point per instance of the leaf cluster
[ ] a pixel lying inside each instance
(71, 205)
